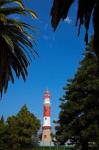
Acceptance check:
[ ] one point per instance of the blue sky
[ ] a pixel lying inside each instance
(59, 56)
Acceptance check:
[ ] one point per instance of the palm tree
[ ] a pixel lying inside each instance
(87, 10)
(15, 42)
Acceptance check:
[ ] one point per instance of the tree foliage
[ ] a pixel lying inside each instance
(19, 130)
(87, 10)
(79, 115)
(16, 44)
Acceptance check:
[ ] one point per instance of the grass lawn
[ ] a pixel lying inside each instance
(50, 148)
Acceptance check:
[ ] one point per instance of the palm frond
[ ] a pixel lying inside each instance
(6, 2)
(86, 10)
(59, 11)
(16, 44)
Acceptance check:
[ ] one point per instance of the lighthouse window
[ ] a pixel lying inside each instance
(45, 136)
(45, 118)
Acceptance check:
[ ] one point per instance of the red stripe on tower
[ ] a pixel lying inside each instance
(46, 111)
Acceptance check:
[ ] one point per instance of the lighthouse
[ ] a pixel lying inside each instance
(46, 128)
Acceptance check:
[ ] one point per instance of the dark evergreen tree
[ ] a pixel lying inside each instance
(2, 119)
(22, 127)
(79, 115)
(19, 131)
(3, 134)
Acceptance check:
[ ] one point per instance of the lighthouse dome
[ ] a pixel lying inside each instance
(46, 94)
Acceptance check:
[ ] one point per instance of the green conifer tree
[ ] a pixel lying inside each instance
(79, 115)
(22, 127)
(18, 131)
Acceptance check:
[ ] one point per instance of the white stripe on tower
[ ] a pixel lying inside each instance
(46, 121)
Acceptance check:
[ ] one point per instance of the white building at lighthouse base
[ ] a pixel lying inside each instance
(46, 138)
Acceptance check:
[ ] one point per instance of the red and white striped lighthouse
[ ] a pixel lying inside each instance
(46, 114)
(46, 133)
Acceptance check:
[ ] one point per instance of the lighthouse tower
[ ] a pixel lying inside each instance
(46, 129)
